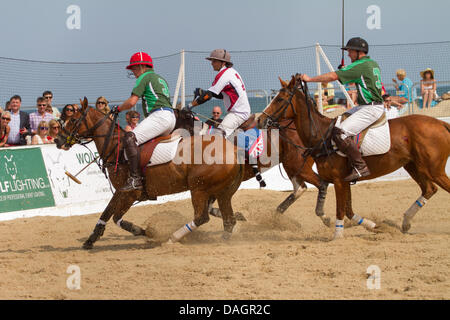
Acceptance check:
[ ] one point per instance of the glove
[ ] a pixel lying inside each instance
(198, 92)
(115, 110)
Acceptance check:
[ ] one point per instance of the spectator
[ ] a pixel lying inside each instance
(48, 95)
(213, 122)
(351, 90)
(7, 107)
(41, 137)
(132, 120)
(54, 130)
(102, 105)
(4, 128)
(76, 108)
(403, 89)
(327, 93)
(428, 87)
(20, 123)
(40, 115)
(391, 112)
(67, 113)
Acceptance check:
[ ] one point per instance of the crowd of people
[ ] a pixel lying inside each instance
(18, 128)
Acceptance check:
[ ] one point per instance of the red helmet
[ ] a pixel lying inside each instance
(140, 58)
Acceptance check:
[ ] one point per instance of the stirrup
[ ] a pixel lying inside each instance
(133, 184)
(357, 174)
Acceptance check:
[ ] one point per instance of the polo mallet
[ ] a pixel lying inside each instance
(74, 177)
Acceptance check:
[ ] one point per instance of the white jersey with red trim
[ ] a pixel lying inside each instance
(230, 84)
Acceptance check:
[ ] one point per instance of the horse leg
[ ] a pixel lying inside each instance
(342, 190)
(200, 201)
(213, 211)
(428, 190)
(366, 223)
(320, 203)
(125, 205)
(229, 220)
(299, 189)
(104, 218)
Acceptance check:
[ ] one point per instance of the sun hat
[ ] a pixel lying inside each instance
(422, 73)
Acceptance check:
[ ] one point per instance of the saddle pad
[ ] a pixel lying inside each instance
(164, 152)
(252, 141)
(376, 141)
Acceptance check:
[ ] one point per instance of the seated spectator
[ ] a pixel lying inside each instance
(213, 122)
(102, 105)
(403, 90)
(54, 130)
(67, 113)
(40, 114)
(132, 120)
(391, 112)
(20, 123)
(351, 90)
(428, 87)
(41, 137)
(324, 99)
(48, 95)
(327, 92)
(4, 128)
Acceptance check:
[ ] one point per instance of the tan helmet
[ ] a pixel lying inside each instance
(221, 55)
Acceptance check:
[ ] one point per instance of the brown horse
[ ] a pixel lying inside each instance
(420, 144)
(290, 151)
(205, 181)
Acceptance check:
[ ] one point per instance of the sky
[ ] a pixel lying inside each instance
(113, 30)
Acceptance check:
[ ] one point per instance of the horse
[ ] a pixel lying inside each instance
(291, 154)
(205, 181)
(420, 144)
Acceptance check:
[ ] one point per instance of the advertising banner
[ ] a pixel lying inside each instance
(94, 186)
(24, 183)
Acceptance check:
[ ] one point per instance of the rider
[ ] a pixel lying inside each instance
(160, 118)
(365, 73)
(229, 86)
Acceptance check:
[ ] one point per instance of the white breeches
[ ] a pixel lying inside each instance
(361, 119)
(161, 122)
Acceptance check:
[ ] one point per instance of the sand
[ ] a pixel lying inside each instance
(268, 257)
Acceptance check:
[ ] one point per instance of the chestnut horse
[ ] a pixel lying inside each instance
(290, 153)
(205, 181)
(420, 144)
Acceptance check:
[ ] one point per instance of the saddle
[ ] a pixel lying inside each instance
(358, 139)
(146, 149)
(249, 124)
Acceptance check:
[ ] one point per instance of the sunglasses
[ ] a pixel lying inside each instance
(48, 97)
(8, 119)
(135, 117)
(101, 102)
(216, 112)
(57, 127)
(44, 128)
(42, 105)
(69, 109)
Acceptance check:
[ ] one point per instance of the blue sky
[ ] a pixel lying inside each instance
(113, 30)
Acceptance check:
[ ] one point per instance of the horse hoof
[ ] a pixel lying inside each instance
(239, 216)
(326, 220)
(215, 212)
(405, 227)
(88, 245)
(226, 235)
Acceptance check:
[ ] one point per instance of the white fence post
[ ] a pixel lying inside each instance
(180, 83)
(319, 86)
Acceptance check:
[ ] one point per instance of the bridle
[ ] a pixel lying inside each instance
(74, 136)
(321, 147)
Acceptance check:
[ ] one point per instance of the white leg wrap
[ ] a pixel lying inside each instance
(119, 222)
(101, 222)
(339, 231)
(184, 230)
(416, 206)
(366, 223)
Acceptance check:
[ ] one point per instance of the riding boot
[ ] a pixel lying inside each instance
(350, 149)
(134, 181)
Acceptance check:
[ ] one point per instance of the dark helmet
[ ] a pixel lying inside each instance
(358, 44)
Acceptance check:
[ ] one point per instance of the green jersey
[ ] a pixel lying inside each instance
(153, 89)
(365, 73)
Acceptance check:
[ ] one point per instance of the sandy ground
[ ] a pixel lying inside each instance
(268, 257)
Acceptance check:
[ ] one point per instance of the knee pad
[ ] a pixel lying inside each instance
(130, 137)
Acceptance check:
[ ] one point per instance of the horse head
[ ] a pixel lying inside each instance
(185, 120)
(281, 107)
